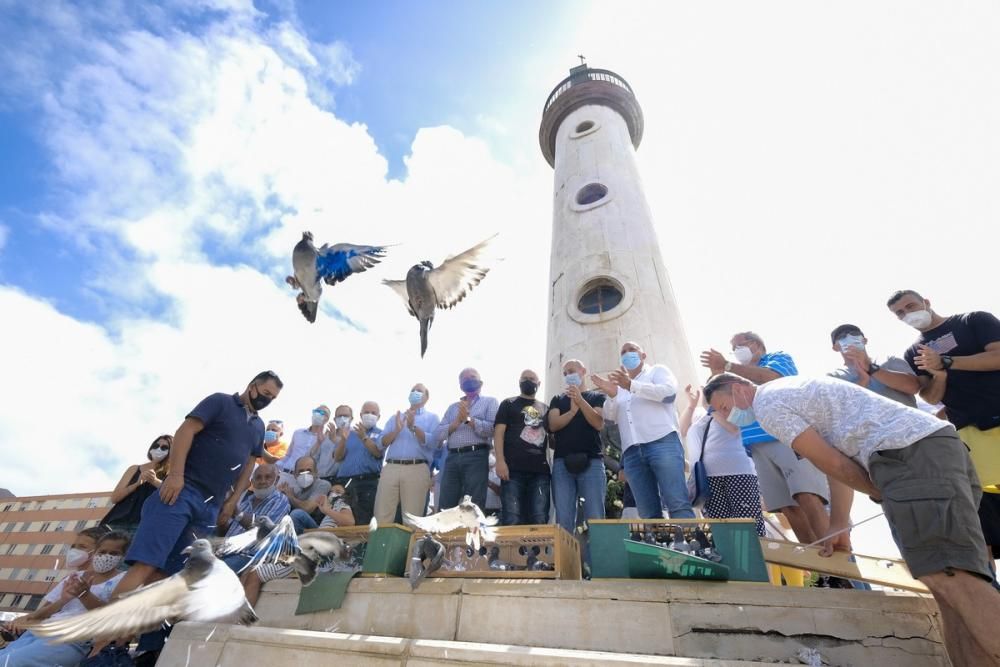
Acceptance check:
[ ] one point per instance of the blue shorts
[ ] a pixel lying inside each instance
(166, 530)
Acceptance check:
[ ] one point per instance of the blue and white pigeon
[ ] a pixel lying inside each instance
(330, 265)
(427, 288)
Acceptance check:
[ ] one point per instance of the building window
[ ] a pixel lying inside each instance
(92, 503)
(16, 602)
(591, 193)
(30, 576)
(599, 296)
(80, 525)
(584, 126)
(33, 603)
(46, 550)
(30, 550)
(45, 526)
(15, 573)
(24, 527)
(7, 506)
(62, 525)
(10, 549)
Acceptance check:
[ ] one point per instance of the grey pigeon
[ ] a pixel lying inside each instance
(427, 557)
(205, 591)
(317, 547)
(330, 265)
(466, 515)
(427, 288)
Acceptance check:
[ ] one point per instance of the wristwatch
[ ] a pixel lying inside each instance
(873, 368)
(946, 361)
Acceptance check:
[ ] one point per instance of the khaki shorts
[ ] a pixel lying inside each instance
(781, 475)
(930, 494)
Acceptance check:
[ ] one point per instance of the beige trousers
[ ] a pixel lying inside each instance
(405, 485)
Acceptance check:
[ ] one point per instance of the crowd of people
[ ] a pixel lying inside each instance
(767, 438)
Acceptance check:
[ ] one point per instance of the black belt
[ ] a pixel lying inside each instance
(360, 478)
(406, 462)
(467, 448)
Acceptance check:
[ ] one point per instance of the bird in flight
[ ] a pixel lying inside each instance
(427, 287)
(329, 264)
(465, 515)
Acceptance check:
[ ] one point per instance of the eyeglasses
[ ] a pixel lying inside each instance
(163, 447)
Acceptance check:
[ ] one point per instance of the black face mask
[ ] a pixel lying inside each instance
(528, 388)
(260, 401)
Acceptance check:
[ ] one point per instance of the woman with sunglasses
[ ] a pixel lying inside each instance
(138, 483)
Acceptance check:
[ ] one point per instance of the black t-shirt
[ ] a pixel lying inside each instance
(971, 397)
(578, 435)
(525, 439)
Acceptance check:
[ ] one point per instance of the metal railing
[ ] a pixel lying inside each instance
(581, 77)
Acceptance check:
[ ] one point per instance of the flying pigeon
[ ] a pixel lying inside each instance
(317, 547)
(426, 288)
(303, 553)
(205, 591)
(428, 554)
(329, 264)
(466, 515)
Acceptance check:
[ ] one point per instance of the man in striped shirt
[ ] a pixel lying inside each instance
(261, 499)
(788, 483)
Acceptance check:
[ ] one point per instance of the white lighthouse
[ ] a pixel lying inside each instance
(607, 283)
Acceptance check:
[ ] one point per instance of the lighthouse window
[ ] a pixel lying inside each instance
(599, 298)
(584, 126)
(591, 193)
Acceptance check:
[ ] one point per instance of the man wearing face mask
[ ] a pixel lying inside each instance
(520, 443)
(576, 422)
(304, 494)
(304, 442)
(211, 459)
(467, 427)
(359, 455)
(274, 447)
(641, 402)
(410, 448)
(892, 378)
(262, 499)
(957, 362)
(788, 484)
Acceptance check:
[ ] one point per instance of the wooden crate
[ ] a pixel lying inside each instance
(554, 545)
(386, 550)
(735, 540)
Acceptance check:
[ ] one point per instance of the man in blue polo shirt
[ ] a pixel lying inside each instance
(211, 460)
(788, 484)
(359, 455)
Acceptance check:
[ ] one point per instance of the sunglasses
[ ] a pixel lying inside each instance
(163, 447)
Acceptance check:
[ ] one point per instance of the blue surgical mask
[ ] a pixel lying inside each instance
(416, 397)
(741, 417)
(471, 385)
(631, 360)
(270, 436)
(573, 379)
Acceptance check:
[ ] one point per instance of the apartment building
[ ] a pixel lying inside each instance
(35, 534)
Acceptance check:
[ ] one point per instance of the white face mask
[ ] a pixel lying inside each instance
(318, 418)
(305, 480)
(76, 557)
(342, 422)
(369, 420)
(260, 494)
(105, 562)
(158, 454)
(743, 355)
(918, 319)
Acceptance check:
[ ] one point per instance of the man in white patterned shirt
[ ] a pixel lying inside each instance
(914, 463)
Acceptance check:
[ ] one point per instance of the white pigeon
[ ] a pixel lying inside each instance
(278, 544)
(205, 591)
(467, 514)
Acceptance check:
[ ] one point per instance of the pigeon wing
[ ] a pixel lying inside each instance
(457, 275)
(235, 544)
(442, 522)
(280, 545)
(335, 263)
(140, 611)
(399, 287)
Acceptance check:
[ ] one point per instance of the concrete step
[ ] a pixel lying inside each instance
(208, 645)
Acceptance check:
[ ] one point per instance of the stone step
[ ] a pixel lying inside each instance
(208, 645)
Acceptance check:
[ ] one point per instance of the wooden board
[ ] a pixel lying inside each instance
(882, 571)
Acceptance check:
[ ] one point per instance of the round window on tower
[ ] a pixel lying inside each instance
(583, 128)
(599, 296)
(591, 194)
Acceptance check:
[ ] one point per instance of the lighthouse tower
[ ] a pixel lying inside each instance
(607, 283)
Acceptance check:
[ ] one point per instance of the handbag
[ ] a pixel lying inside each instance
(699, 491)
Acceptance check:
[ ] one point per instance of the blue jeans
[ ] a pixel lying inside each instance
(524, 498)
(567, 489)
(655, 471)
(301, 520)
(465, 474)
(29, 650)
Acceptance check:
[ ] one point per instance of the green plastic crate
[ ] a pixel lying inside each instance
(735, 539)
(386, 550)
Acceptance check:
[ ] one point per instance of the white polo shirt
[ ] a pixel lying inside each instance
(646, 412)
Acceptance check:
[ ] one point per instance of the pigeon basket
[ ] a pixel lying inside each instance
(730, 542)
(519, 552)
(380, 553)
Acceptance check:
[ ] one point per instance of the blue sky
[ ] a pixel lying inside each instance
(159, 161)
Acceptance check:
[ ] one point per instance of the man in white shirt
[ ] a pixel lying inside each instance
(641, 402)
(314, 441)
(910, 461)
